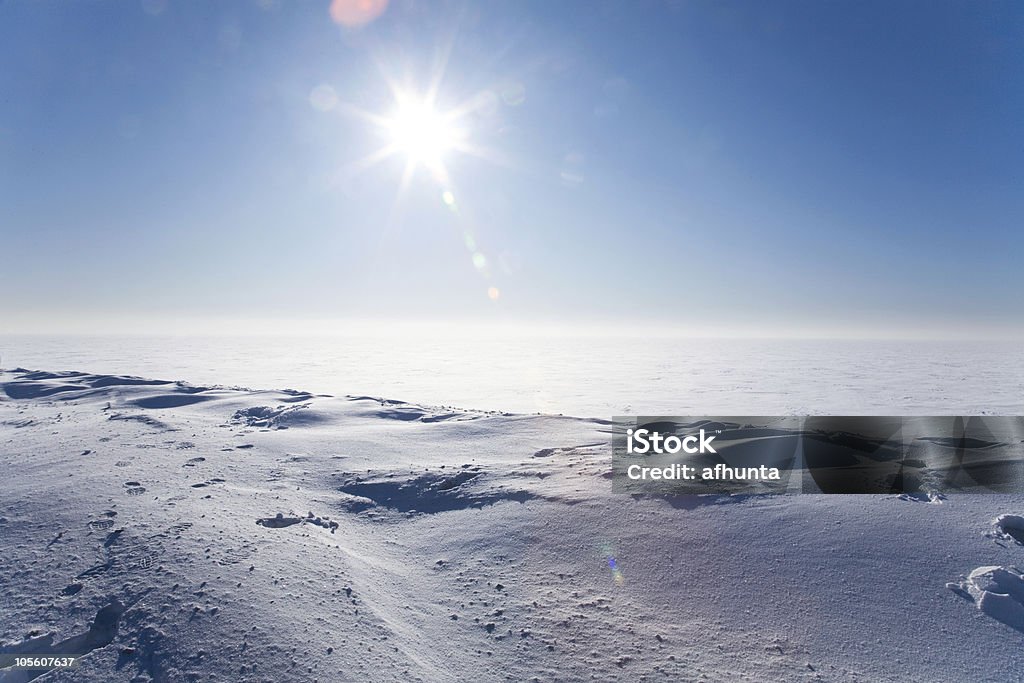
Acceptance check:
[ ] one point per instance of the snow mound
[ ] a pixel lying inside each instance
(38, 384)
(997, 591)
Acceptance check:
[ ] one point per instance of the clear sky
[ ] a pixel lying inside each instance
(775, 166)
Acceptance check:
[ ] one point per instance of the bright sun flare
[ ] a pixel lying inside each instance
(427, 136)
(421, 133)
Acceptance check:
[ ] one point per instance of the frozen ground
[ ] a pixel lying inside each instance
(183, 533)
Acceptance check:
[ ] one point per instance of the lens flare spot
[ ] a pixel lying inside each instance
(355, 13)
(513, 94)
(613, 564)
(616, 572)
(479, 261)
(493, 293)
(448, 198)
(323, 98)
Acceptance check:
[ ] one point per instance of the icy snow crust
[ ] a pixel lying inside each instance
(170, 532)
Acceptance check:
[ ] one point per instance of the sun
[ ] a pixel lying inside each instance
(427, 136)
(424, 135)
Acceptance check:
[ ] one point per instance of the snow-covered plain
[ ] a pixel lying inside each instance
(570, 373)
(180, 532)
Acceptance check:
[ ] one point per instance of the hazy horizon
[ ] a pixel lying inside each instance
(584, 376)
(626, 327)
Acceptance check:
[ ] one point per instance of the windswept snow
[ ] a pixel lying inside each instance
(998, 592)
(170, 532)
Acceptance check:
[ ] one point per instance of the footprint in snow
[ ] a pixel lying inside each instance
(1008, 527)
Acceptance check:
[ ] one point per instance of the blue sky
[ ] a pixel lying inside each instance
(762, 166)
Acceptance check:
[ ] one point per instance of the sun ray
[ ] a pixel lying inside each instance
(470, 105)
(373, 158)
(403, 186)
(487, 154)
(370, 117)
(440, 68)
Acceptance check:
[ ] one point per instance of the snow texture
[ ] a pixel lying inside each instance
(170, 532)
